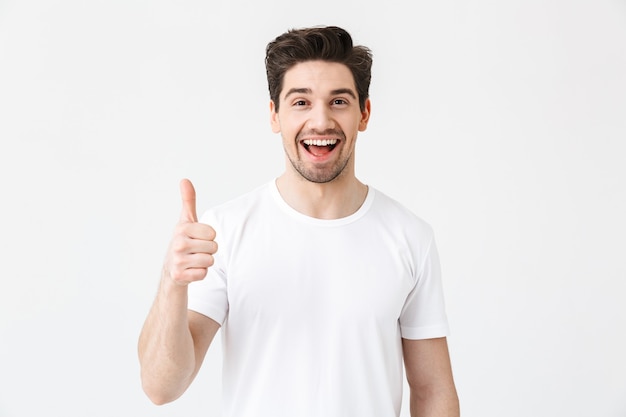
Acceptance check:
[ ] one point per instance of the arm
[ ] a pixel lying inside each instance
(172, 345)
(429, 374)
(173, 340)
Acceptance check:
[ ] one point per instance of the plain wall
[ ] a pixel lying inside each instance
(502, 124)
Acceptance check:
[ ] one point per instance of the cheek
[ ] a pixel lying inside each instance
(290, 129)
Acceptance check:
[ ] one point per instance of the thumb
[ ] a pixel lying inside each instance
(188, 195)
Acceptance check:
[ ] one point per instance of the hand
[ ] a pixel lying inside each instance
(192, 247)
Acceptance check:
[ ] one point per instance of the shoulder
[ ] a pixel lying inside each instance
(238, 208)
(402, 231)
(397, 216)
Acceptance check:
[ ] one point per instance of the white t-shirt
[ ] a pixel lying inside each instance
(313, 311)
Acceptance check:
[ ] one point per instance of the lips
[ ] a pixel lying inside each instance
(319, 147)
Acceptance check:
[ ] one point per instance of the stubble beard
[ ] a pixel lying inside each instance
(319, 175)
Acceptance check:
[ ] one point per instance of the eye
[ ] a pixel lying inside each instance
(339, 101)
(299, 103)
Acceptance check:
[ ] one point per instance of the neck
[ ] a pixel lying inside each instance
(338, 198)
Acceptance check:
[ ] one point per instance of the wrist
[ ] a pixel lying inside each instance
(171, 287)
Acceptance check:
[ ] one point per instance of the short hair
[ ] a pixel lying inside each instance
(325, 43)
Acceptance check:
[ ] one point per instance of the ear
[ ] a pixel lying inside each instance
(274, 120)
(365, 115)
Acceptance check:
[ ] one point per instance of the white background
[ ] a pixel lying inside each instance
(501, 123)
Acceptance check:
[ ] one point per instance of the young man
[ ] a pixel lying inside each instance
(323, 287)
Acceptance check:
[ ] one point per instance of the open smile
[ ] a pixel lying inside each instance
(319, 147)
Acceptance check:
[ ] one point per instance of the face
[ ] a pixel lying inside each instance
(319, 119)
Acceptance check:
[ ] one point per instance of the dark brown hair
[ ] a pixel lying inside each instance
(329, 43)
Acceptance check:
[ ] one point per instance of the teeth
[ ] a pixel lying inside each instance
(320, 142)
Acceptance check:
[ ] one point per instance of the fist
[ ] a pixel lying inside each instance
(192, 247)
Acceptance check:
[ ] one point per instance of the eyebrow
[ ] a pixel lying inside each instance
(309, 91)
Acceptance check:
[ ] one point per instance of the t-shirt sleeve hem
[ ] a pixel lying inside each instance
(425, 332)
(212, 313)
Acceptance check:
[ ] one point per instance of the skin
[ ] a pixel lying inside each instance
(319, 101)
(429, 374)
(173, 340)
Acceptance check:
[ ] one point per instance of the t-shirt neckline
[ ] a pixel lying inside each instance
(282, 204)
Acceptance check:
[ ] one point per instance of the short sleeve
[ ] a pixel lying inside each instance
(423, 315)
(210, 295)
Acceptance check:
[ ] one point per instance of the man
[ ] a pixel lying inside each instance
(322, 285)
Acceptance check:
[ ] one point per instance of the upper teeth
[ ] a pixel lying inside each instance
(320, 142)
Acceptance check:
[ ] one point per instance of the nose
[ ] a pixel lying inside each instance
(321, 118)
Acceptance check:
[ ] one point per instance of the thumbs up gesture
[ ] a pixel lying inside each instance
(192, 247)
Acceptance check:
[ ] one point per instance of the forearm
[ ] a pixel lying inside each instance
(166, 348)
